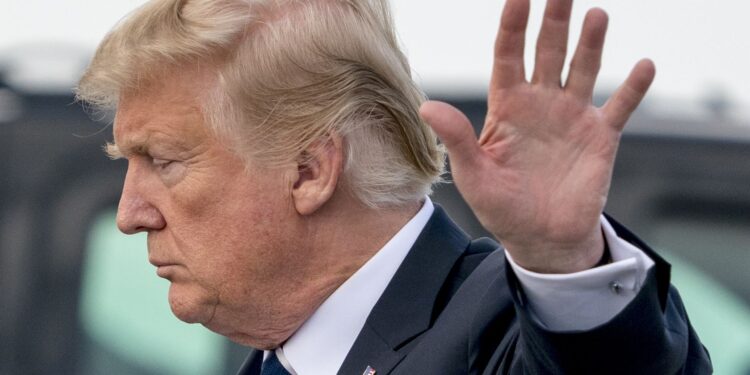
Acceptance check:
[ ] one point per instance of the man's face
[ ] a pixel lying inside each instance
(222, 232)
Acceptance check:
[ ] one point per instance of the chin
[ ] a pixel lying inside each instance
(259, 340)
(190, 304)
(252, 342)
(252, 332)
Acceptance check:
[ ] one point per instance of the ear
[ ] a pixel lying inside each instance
(318, 172)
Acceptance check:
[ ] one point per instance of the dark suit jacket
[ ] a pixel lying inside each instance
(454, 307)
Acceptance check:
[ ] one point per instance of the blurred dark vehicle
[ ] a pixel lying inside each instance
(80, 298)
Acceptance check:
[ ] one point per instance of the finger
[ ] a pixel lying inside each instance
(454, 130)
(508, 69)
(552, 44)
(588, 56)
(624, 101)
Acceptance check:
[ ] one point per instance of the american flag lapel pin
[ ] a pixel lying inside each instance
(369, 371)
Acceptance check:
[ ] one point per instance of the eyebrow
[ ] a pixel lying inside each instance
(113, 151)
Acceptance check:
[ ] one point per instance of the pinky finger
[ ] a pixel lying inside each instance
(625, 100)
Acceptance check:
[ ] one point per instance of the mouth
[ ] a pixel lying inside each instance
(165, 271)
(159, 263)
(163, 268)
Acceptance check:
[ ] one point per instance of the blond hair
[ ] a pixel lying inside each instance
(289, 74)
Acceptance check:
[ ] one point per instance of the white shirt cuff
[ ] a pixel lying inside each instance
(586, 299)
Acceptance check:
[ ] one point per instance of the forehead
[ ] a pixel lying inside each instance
(168, 110)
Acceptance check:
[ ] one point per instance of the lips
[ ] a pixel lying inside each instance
(166, 271)
(163, 267)
(160, 262)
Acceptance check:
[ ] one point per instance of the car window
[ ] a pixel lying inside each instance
(710, 256)
(127, 323)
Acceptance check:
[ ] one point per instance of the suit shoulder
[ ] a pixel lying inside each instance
(475, 254)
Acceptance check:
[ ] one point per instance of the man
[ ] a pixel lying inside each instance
(278, 161)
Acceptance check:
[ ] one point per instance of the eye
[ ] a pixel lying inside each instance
(161, 163)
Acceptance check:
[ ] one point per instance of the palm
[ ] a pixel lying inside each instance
(539, 174)
(536, 162)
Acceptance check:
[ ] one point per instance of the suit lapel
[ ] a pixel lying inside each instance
(405, 310)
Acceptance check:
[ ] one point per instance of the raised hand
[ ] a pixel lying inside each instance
(539, 174)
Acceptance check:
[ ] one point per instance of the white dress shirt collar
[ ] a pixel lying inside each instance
(321, 344)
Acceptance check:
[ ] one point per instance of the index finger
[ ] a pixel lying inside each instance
(508, 68)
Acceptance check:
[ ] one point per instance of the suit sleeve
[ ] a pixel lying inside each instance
(586, 299)
(651, 335)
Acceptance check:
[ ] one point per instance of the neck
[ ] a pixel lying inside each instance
(337, 241)
(347, 238)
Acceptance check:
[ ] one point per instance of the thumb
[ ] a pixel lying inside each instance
(454, 130)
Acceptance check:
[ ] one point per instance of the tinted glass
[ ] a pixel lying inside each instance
(713, 261)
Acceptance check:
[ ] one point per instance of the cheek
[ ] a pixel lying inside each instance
(254, 250)
(230, 230)
(253, 236)
(225, 193)
(241, 235)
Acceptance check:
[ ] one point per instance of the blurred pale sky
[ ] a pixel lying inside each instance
(700, 47)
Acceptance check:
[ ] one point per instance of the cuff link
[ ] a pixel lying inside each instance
(615, 287)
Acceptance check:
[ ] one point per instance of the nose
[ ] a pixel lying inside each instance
(135, 212)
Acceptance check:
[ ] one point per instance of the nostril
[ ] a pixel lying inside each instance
(135, 214)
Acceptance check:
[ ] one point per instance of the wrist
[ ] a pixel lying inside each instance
(561, 258)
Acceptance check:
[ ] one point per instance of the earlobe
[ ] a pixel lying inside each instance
(318, 172)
